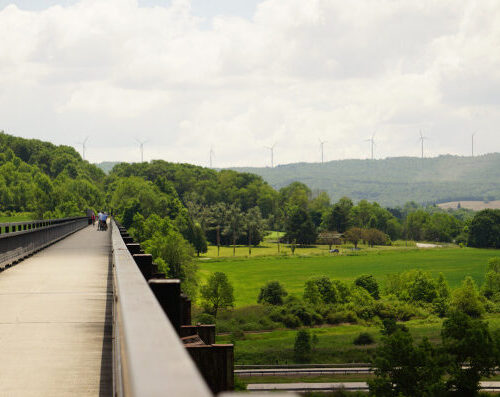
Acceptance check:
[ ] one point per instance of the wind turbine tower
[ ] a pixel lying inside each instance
(271, 149)
(372, 144)
(141, 148)
(212, 155)
(321, 145)
(84, 146)
(422, 139)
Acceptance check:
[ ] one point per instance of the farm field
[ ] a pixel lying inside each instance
(335, 343)
(249, 274)
(20, 217)
(471, 205)
(269, 248)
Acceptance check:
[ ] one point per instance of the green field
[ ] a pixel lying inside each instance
(249, 274)
(18, 217)
(335, 343)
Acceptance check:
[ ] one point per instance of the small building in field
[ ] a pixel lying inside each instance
(329, 238)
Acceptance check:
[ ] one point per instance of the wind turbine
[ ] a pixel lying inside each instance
(84, 146)
(271, 148)
(141, 148)
(473, 143)
(211, 154)
(372, 143)
(321, 144)
(422, 139)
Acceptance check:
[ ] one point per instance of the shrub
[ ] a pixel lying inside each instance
(364, 338)
(368, 282)
(205, 318)
(272, 293)
(302, 346)
(466, 299)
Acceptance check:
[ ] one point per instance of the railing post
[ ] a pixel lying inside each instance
(145, 264)
(134, 248)
(168, 294)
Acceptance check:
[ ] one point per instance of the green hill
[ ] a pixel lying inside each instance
(394, 181)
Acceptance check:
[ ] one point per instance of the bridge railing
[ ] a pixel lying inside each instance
(149, 358)
(20, 239)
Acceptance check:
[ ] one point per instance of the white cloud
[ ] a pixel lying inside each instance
(294, 72)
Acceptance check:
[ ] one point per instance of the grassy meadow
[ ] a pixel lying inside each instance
(335, 343)
(248, 274)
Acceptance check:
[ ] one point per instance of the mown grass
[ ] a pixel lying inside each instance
(18, 217)
(335, 343)
(249, 274)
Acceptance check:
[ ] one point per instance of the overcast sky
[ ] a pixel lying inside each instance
(242, 74)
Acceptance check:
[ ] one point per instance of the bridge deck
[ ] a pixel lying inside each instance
(55, 320)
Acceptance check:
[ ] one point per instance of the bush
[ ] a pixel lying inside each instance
(205, 318)
(368, 282)
(272, 293)
(302, 346)
(346, 316)
(364, 338)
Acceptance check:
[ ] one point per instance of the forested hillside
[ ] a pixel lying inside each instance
(394, 181)
(47, 180)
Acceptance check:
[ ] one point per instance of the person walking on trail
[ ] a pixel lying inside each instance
(99, 220)
(104, 221)
(93, 219)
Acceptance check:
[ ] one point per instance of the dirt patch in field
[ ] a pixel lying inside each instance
(472, 205)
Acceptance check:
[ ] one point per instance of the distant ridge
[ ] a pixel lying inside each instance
(107, 166)
(396, 180)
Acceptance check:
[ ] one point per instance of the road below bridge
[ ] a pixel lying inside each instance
(55, 320)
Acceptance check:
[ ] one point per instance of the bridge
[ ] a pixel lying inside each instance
(86, 312)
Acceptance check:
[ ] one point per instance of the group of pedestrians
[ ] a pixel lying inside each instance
(102, 218)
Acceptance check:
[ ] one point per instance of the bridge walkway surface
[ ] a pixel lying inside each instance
(56, 320)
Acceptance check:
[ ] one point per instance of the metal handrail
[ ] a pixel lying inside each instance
(148, 357)
(15, 245)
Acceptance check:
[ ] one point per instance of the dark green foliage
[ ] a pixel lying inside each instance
(369, 283)
(484, 230)
(217, 293)
(401, 368)
(339, 217)
(364, 338)
(472, 353)
(295, 313)
(468, 353)
(204, 185)
(302, 347)
(49, 181)
(205, 318)
(175, 254)
(300, 227)
(272, 293)
(199, 240)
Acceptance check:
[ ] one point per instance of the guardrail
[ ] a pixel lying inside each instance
(21, 239)
(148, 356)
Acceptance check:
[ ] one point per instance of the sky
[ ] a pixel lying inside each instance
(238, 76)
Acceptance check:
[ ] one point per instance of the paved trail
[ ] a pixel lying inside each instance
(55, 320)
